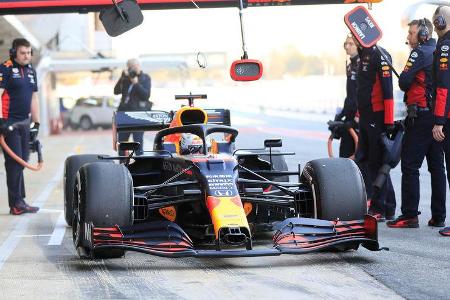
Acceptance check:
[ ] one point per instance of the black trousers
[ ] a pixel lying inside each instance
(446, 145)
(347, 146)
(18, 141)
(137, 137)
(370, 154)
(418, 143)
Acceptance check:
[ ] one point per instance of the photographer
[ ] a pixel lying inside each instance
(135, 86)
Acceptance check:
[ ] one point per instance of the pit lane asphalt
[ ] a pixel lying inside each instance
(416, 267)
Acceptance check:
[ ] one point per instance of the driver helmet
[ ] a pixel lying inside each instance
(190, 144)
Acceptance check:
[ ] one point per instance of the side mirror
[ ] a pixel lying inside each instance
(129, 146)
(246, 70)
(273, 143)
(363, 26)
(122, 17)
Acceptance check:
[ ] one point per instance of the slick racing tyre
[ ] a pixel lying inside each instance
(339, 191)
(338, 188)
(104, 198)
(71, 166)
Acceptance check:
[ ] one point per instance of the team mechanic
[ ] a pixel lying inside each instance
(376, 110)
(348, 113)
(418, 142)
(441, 85)
(18, 90)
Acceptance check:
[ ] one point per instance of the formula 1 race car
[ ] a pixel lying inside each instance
(196, 195)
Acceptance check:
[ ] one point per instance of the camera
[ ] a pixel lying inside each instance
(132, 73)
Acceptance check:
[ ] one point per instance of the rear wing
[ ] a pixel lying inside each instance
(218, 116)
(129, 121)
(141, 120)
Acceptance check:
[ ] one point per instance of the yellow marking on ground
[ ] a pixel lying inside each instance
(78, 149)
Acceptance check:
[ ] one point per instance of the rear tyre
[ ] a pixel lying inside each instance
(71, 166)
(339, 190)
(104, 198)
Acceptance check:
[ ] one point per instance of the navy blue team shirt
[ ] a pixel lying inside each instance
(19, 83)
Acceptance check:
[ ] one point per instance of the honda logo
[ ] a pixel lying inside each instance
(223, 193)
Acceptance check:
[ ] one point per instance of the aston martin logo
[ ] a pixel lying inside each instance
(157, 117)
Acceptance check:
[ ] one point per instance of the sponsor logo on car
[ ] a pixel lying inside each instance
(223, 193)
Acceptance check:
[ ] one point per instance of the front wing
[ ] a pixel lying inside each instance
(293, 236)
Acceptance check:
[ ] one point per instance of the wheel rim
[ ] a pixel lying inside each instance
(85, 123)
(76, 220)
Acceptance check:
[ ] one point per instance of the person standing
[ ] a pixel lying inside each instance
(348, 113)
(418, 142)
(376, 116)
(441, 85)
(19, 99)
(135, 87)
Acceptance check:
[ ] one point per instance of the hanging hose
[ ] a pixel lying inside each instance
(36, 147)
(351, 131)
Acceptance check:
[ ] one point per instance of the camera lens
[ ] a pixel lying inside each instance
(132, 73)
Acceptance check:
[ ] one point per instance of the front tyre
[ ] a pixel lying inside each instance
(104, 198)
(338, 188)
(339, 191)
(71, 166)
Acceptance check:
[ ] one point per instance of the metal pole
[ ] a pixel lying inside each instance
(387, 60)
(241, 19)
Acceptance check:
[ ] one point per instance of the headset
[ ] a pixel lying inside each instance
(439, 21)
(13, 49)
(423, 32)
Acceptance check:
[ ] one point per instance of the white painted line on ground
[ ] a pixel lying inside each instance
(11, 242)
(21, 227)
(59, 231)
(32, 235)
(50, 211)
